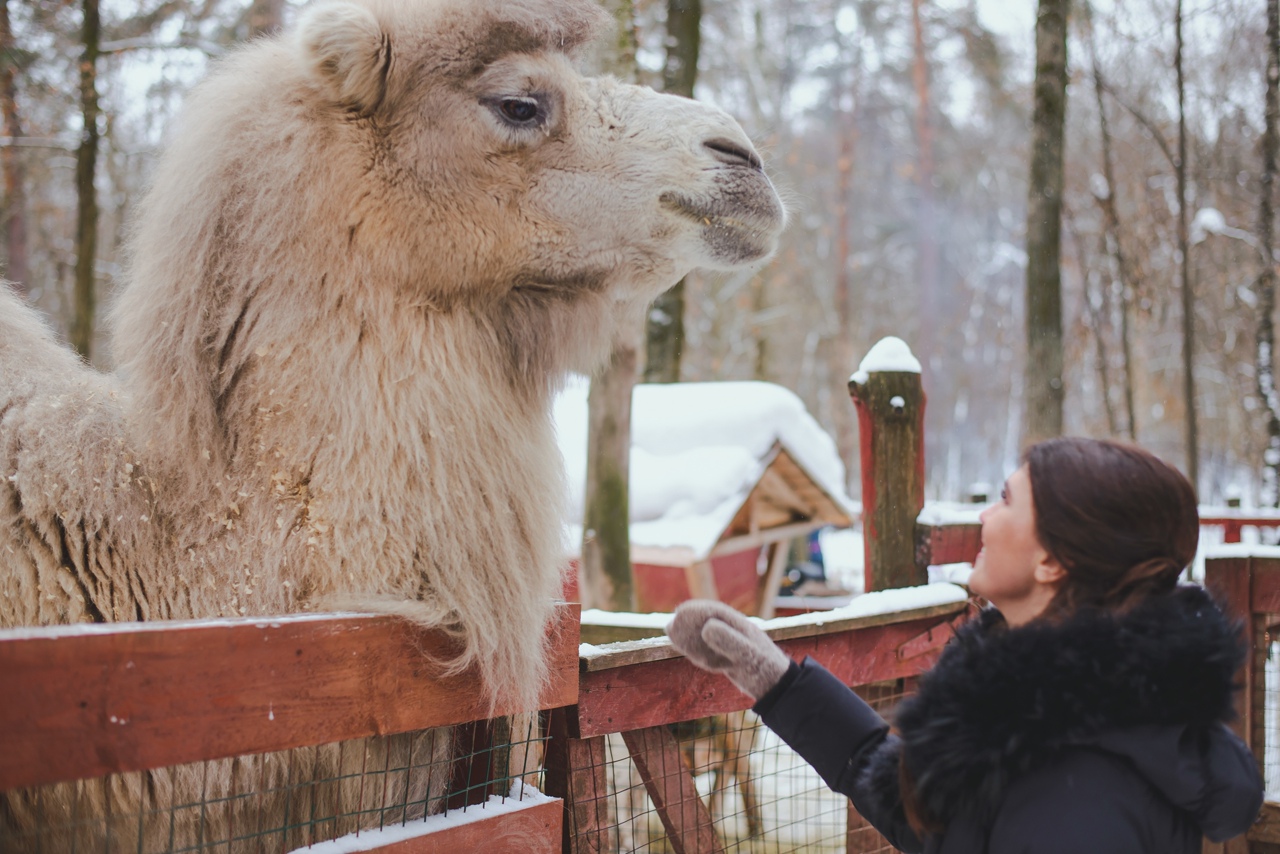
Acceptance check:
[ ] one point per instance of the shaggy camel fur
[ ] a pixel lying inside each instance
(369, 255)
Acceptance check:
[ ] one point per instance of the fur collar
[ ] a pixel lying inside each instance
(1001, 702)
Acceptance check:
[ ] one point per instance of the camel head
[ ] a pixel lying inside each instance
(392, 169)
(512, 171)
(411, 189)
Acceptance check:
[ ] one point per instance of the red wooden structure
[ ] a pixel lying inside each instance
(786, 502)
(1233, 520)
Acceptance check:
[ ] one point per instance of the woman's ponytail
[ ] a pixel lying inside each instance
(1151, 577)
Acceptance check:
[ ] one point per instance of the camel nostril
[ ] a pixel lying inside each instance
(728, 151)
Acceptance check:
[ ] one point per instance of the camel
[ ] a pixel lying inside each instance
(370, 254)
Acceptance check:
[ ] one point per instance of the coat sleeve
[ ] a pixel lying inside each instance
(1234, 789)
(845, 741)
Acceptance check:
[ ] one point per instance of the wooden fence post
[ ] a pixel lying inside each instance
(890, 400)
(1232, 581)
(577, 773)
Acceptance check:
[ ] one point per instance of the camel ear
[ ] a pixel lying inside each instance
(345, 48)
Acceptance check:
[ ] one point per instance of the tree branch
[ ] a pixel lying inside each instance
(37, 142)
(144, 43)
(1142, 120)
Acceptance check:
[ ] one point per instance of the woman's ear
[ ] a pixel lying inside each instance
(1048, 570)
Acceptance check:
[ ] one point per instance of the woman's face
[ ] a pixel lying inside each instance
(1013, 571)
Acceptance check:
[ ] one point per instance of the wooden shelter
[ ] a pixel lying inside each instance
(745, 563)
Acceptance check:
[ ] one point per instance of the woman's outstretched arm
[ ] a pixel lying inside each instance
(832, 729)
(845, 741)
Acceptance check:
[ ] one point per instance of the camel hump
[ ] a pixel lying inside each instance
(30, 354)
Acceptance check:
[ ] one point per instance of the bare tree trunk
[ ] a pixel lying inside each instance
(82, 321)
(1043, 378)
(926, 213)
(760, 362)
(606, 543)
(846, 357)
(1126, 350)
(1266, 282)
(664, 333)
(1095, 310)
(606, 534)
(1130, 278)
(15, 182)
(265, 17)
(1184, 248)
(846, 435)
(1122, 286)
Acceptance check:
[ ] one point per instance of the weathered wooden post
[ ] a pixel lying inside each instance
(887, 392)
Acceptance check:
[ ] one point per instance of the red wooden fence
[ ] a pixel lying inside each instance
(86, 701)
(637, 689)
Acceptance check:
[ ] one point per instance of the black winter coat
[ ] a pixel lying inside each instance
(1098, 735)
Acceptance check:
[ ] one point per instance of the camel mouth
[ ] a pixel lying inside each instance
(740, 225)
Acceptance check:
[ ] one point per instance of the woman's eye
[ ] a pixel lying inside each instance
(519, 110)
(1004, 495)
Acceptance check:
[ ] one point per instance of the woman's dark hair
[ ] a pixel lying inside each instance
(1122, 522)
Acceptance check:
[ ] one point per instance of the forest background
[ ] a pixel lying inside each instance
(900, 135)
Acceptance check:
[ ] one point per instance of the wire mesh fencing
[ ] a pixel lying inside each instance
(279, 802)
(749, 792)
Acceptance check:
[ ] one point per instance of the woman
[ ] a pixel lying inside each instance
(1081, 714)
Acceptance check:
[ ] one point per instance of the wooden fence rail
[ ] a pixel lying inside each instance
(638, 689)
(86, 701)
(82, 702)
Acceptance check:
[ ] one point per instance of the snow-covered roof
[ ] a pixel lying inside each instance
(697, 450)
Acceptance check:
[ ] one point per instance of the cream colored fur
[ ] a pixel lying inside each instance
(353, 288)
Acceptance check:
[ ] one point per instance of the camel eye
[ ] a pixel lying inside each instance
(519, 111)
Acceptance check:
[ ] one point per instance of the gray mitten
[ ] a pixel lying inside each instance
(717, 638)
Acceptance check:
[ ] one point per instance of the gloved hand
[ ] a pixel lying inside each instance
(715, 637)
